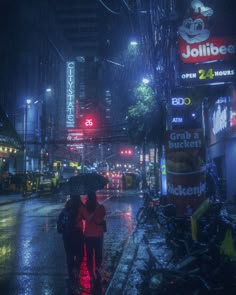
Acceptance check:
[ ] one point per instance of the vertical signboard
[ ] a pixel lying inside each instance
(185, 169)
(70, 94)
(163, 177)
(233, 108)
(219, 119)
(207, 56)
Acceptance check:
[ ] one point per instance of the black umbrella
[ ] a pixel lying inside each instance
(85, 182)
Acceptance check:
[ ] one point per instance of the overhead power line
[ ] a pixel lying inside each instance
(112, 11)
(126, 4)
(115, 63)
(108, 139)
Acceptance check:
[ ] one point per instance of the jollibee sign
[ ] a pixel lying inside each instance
(214, 49)
(195, 43)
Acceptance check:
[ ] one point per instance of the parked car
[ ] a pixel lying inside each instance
(49, 182)
(24, 182)
(68, 172)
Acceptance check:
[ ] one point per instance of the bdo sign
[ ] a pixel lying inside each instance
(181, 101)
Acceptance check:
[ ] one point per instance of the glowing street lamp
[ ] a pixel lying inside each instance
(145, 80)
(133, 43)
(27, 105)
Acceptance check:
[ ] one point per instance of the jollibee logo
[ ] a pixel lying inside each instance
(194, 28)
(195, 43)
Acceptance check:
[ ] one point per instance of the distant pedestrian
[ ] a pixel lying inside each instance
(93, 213)
(72, 233)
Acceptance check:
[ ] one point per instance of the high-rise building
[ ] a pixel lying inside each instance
(80, 24)
(38, 42)
(33, 55)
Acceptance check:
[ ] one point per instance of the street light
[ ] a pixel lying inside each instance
(46, 132)
(133, 43)
(27, 105)
(145, 80)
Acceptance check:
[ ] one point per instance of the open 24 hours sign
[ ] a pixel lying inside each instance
(207, 73)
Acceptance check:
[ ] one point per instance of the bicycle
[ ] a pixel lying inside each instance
(159, 278)
(152, 212)
(147, 213)
(202, 271)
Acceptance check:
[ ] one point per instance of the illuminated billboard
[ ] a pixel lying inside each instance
(209, 73)
(206, 59)
(70, 94)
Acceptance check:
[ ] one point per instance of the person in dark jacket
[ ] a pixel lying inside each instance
(72, 235)
(93, 213)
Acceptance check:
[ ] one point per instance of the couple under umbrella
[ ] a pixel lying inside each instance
(75, 237)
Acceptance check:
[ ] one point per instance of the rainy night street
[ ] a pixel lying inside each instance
(32, 260)
(118, 147)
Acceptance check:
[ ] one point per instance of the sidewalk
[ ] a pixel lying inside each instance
(126, 278)
(121, 275)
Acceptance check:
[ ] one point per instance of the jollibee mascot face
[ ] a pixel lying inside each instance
(194, 29)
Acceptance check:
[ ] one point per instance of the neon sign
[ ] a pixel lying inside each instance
(180, 101)
(70, 94)
(208, 73)
(219, 119)
(177, 120)
(214, 49)
(75, 138)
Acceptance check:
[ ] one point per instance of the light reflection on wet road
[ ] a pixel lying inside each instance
(32, 260)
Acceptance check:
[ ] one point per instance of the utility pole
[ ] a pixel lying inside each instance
(43, 135)
(25, 137)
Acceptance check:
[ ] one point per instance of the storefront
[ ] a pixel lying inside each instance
(221, 132)
(10, 145)
(205, 94)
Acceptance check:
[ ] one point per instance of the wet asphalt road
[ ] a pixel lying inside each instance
(32, 260)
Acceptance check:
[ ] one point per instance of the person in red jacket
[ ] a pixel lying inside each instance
(93, 213)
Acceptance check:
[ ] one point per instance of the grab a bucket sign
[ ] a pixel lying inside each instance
(185, 168)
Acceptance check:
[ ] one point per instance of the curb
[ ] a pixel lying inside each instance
(120, 276)
(32, 196)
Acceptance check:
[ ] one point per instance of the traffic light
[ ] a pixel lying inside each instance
(126, 152)
(89, 122)
(45, 157)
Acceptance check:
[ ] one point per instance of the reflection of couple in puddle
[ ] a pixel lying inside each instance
(95, 288)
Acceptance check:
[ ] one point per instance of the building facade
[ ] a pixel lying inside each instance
(204, 93)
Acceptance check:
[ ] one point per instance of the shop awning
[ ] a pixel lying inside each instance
(8, 135)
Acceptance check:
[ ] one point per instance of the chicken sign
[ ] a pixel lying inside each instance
(195, 43)
(205, 59)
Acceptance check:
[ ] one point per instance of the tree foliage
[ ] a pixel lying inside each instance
(144, 117)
